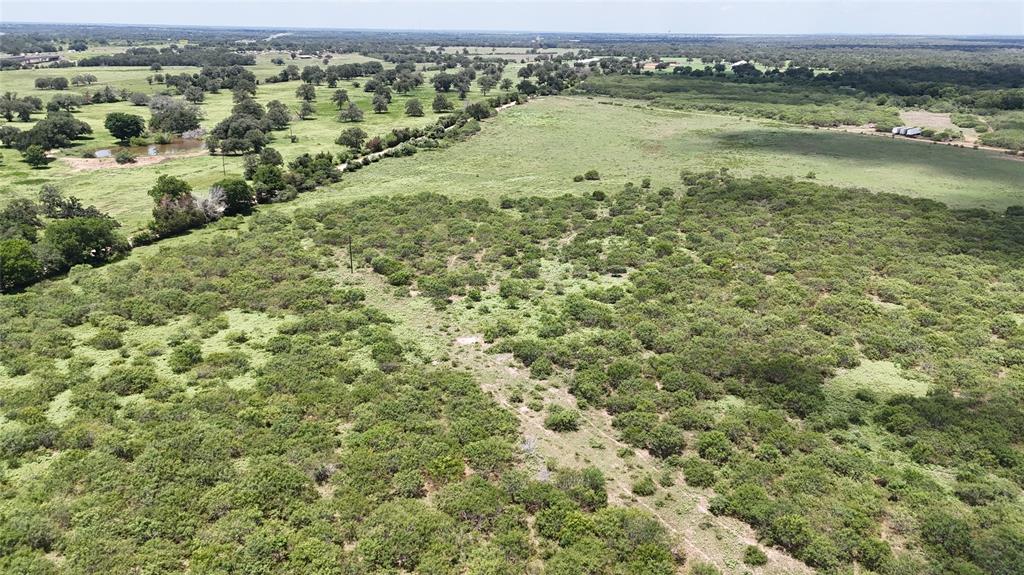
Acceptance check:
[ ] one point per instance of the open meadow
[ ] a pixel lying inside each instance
(538, 148)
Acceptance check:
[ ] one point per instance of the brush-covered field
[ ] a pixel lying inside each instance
(583, 335)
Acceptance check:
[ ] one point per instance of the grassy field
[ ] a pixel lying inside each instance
(122, 191)
(539, 147)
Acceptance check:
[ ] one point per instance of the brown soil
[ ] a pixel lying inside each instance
(92, 164)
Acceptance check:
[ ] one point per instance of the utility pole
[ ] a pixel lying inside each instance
(351, 261)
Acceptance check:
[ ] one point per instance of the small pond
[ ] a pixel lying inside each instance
(177, 146)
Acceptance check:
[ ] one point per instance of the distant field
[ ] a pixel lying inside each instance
(539, 147)
(533, 149)
(122, 191)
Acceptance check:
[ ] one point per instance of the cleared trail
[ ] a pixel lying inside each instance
(681, 509)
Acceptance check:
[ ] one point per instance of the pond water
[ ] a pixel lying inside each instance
(177, 146)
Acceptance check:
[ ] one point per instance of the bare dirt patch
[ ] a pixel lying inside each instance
(923, 119)
(92, 164)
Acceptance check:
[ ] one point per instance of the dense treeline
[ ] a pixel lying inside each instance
(798, 105)
(312, 441)
(49, 237)
(170, 56)
(740, 299)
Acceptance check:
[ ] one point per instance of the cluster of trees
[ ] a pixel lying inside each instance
(248, 127)
(461, 81)
(51, 83)
(57, 130)
(27, 44)
(330, 75)
(173, 116)
(11, 106)
(211, 79)
(177, 210)
(48, 237)
(939, 80)
(821, 106)
(174, 55)
(83, 79)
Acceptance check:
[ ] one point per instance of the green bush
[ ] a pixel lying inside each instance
(128, 380)
(698, 473)
(106, 339)
(562, 419)
(700, 568)
(754, 557)
(644, 487)
(184, 357)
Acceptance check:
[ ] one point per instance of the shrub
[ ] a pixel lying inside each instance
(714, 446)
(704, 569)
(35, 156)
(753, 556)
(665, 440)
(644, 487)
(184, 357)
(106, 339)
(698, 473)
(128, 380)
(124, 157)
(402, 277)
(542, 368)
(591, 175)
(562, 419)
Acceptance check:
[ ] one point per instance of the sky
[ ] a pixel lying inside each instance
(910, 17)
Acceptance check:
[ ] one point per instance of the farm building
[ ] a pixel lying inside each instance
(33, 59)
(906, 131)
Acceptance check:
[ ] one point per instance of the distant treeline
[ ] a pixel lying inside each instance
(171, 56)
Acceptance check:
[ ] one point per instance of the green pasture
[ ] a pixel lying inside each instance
(534, 149)
(122, 191)
(539, 147)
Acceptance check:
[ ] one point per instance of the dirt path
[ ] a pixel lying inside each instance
(683, 510)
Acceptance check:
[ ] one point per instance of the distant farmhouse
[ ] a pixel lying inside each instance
(32, 59)
(906, 131)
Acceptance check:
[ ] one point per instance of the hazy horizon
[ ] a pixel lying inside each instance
(693, 17)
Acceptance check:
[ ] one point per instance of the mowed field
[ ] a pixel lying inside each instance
(538, 148)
